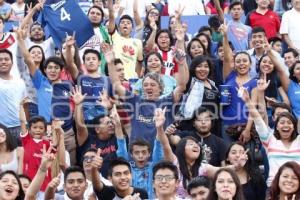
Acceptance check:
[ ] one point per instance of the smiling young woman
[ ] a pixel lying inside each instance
(286, 182)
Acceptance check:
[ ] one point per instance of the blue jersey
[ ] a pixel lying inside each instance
(66, 17)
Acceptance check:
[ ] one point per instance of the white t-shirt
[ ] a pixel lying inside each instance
(128, 7)
(193, 7)
(18, 11)
(11, 94)
(290, 26)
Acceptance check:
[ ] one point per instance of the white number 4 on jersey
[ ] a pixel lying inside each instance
(64, 15)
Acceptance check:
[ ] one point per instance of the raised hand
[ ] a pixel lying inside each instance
(115, 116)
(77, 95)
(54, 182)
(179, 11)
(39, 6)
(47, 158)
(19, 33)
(223, 29)
(97, 160)
(159, 117)
(108, 52)
(242, 160)
(267, 46)
(153, 24)
(179, 32)
(56, 124)
(244, 94)
(70, 40)
(262, 83)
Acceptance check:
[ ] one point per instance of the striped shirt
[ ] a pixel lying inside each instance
(277, 152)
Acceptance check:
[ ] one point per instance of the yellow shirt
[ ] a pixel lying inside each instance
(129, 50)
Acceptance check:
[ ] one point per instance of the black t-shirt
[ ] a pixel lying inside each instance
(109, 193)
(109, 150)
(217, 145)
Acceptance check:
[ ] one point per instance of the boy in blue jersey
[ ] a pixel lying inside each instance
(140, 151)
(91, 82)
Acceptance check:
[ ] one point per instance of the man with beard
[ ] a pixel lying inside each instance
(214, 148)
(37, 33)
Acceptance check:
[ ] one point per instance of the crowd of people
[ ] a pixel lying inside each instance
(143, 112)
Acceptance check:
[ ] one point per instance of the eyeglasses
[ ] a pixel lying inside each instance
(162, 177)
(88, 158)
(154, 14)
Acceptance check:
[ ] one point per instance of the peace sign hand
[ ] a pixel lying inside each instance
(159, 117)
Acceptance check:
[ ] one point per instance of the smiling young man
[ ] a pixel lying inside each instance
(12, 91)
(121, 177)
(165, 180)
(75, 185)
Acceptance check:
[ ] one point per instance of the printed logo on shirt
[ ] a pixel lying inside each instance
(128, 50)
(48, 89)
(147, 120)
(57, 5)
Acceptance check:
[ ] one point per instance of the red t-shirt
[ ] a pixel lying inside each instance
(269, 21)
(213, 10)
(33, 150)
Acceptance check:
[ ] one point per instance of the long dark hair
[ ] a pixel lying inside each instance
(190, 45)
(183, 167)
(21, 194)
(293, 120)
(43, 57)
(239, 190)
(285, 4)
(253, 173)
(10, 142)
(209, 43)
(292, 69)
(275, 190)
